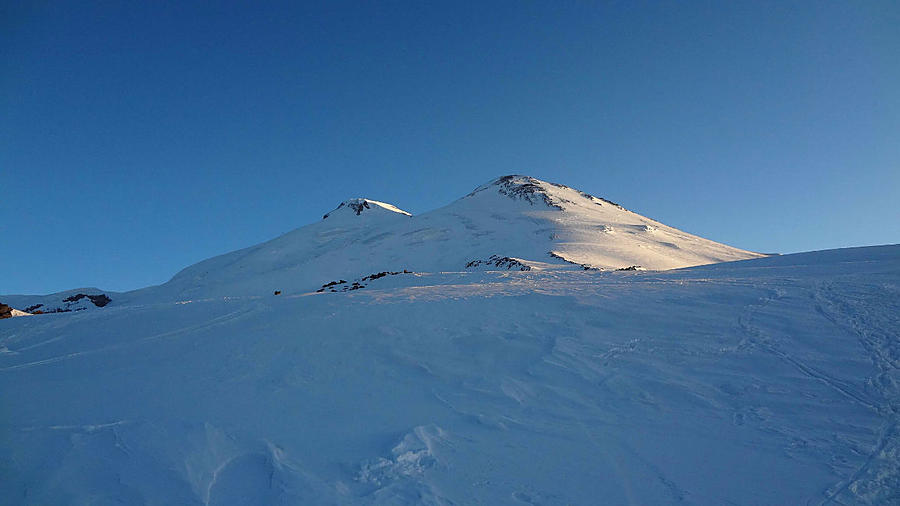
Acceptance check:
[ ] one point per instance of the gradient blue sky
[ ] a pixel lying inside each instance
(138, 138)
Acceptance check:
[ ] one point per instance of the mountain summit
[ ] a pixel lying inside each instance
(534, 190)
(538, 379)
(512, 222)
(357, 206)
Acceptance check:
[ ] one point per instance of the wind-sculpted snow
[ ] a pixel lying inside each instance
(768, 381)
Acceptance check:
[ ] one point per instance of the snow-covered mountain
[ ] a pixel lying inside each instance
(535, 223)
(504, 349)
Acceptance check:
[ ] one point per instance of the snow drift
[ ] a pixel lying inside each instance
(768, 381)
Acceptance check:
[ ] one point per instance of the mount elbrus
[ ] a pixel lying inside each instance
(477, 354)
(531, 223)
(513, 222)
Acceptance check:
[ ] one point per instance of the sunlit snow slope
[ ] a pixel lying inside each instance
(536, 222)
(767, 381)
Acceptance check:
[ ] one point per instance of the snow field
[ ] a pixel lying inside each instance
(768, 381)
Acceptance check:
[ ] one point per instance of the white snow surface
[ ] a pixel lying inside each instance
(536, 222)
(766, 381)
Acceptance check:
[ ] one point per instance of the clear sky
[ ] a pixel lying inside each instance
(138, 138)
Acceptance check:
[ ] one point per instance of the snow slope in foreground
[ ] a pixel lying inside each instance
(770, 381)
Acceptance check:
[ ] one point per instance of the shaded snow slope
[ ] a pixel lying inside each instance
(539, 224)
(767, 381)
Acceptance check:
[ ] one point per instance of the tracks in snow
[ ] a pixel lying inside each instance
(758, 339)
(851, 310)
(848, 309)
(143, 340)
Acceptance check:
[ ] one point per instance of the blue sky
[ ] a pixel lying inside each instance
(136, 139)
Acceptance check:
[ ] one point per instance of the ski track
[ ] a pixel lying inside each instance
(840, 313)
(81, 427)
(140, 341)
(758, 339)
(845, 315)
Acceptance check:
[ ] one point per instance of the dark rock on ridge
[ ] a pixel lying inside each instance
(499, 262)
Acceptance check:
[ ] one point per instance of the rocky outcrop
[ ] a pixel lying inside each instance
(533, 191)
(357, 206)
(566, 260)
(344, 286)
(98, 300)
(6, 311)
(504, 263)
(527, 189)
(77, 302)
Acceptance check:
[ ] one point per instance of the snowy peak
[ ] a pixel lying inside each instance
(514, 222)
(356, 207)
(537, 192)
